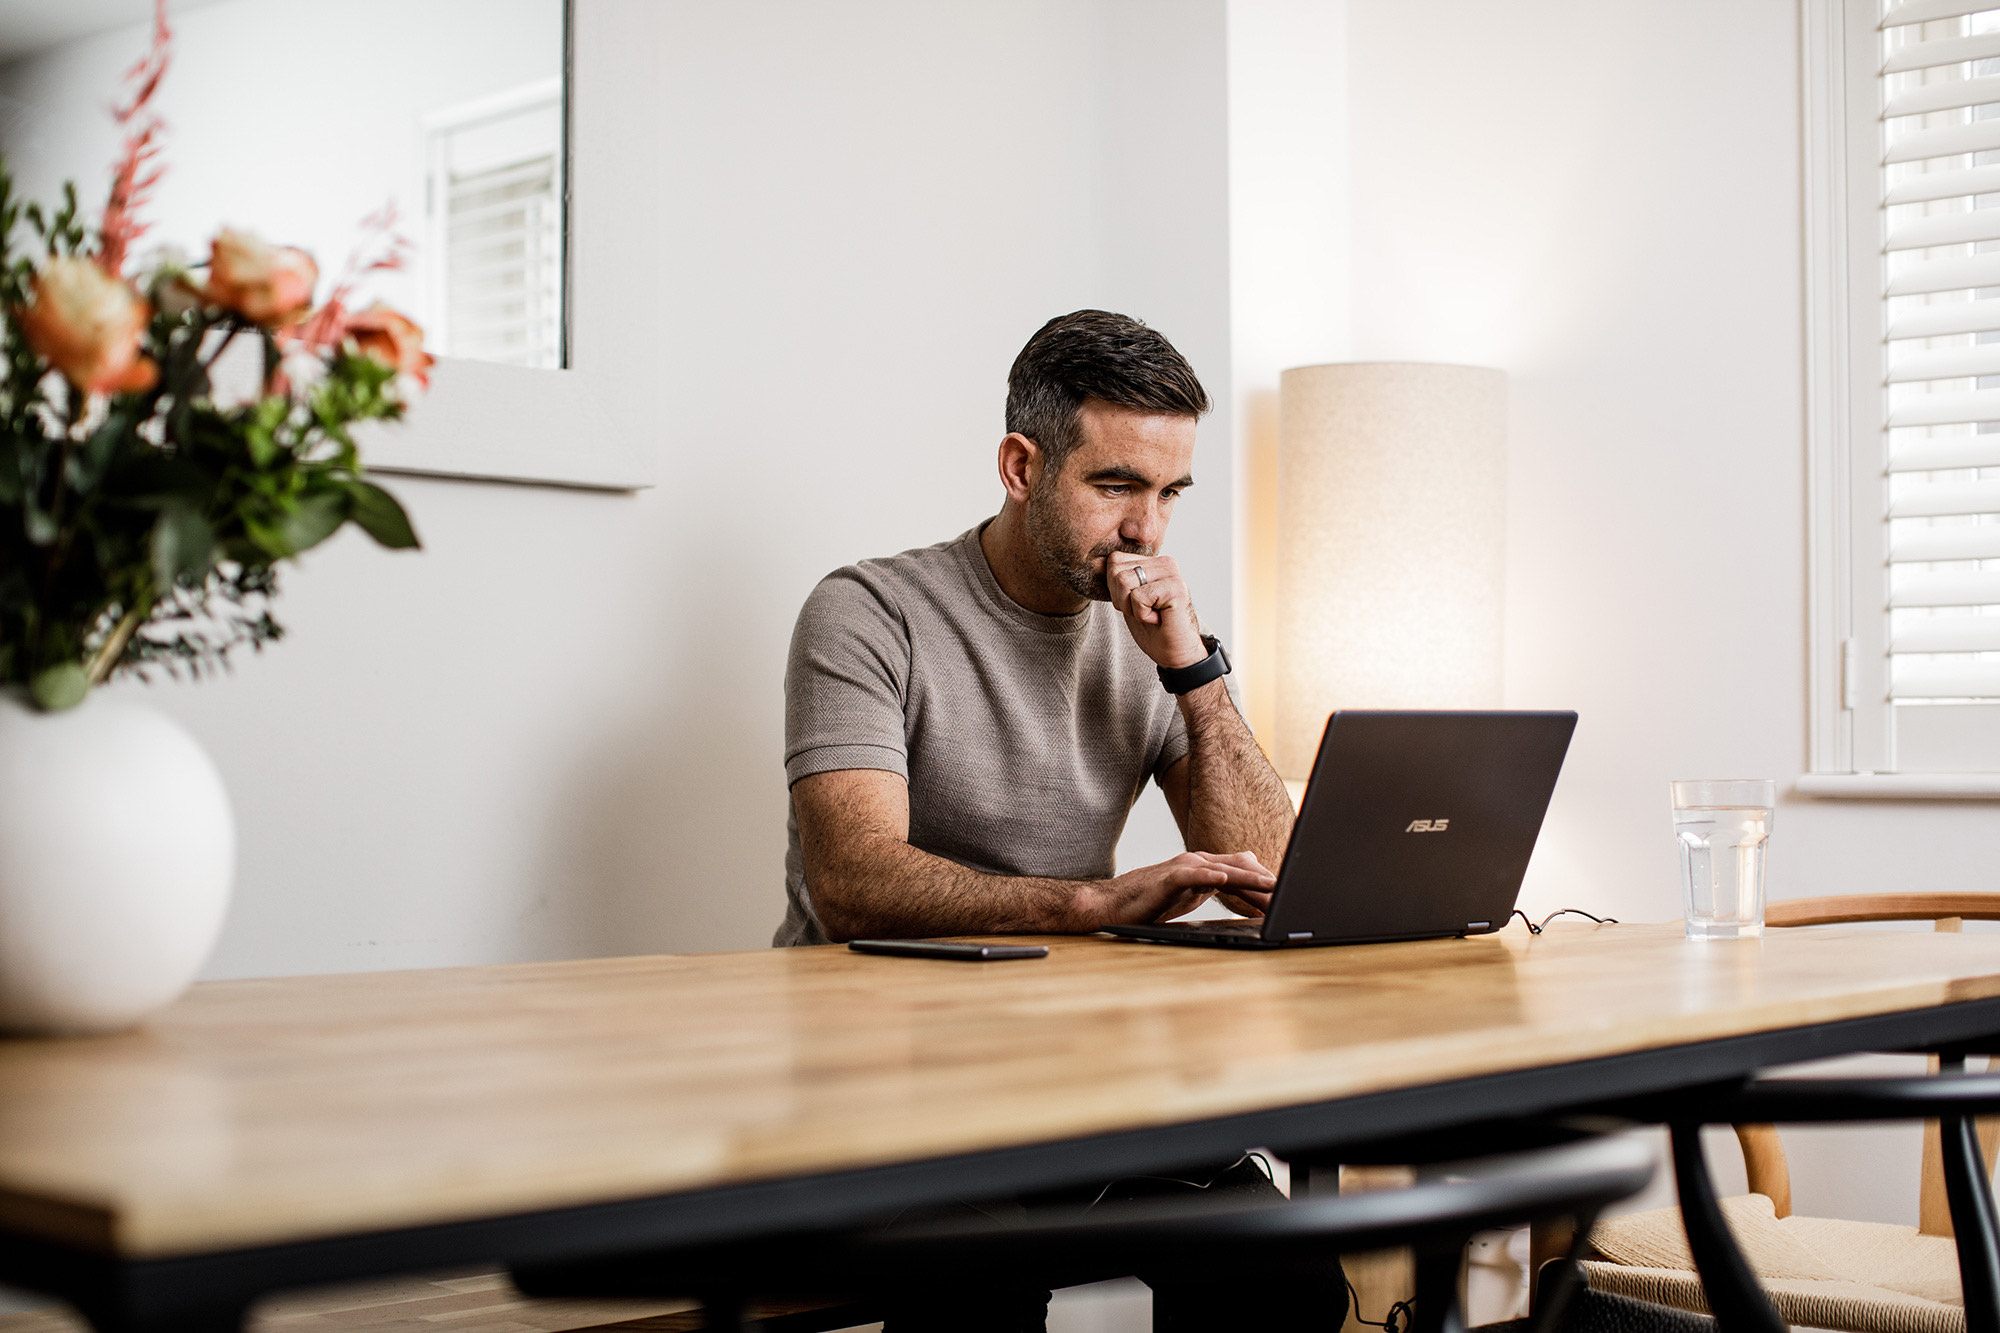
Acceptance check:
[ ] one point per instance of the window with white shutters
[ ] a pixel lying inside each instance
(495, 227)
(1903, 258)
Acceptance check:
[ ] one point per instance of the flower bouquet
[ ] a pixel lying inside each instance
(145, 504)
(168, 436)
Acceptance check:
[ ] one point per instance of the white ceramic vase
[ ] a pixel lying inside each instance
(117, 848)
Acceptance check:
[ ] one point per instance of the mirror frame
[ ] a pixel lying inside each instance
(486, 421)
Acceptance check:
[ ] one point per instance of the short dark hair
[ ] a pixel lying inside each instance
(1094, 354)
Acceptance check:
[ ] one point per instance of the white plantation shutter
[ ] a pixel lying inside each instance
(502, 245)
(495, 196)
(1903, 160)
(1940, 224)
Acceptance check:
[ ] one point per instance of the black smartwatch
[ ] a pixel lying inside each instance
(1179, 680)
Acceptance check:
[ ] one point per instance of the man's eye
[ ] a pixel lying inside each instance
(1170, 494)
(1115, 490)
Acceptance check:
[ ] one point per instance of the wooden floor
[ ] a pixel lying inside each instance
(466, 1302)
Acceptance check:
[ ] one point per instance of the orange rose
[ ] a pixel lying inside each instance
(266, 284)
(87, 324)
(391, 339)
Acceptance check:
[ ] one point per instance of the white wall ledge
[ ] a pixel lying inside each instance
(1900, 786)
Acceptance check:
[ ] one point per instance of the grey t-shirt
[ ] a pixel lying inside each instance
(1025, 738)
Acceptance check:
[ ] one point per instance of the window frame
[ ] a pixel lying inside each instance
(1847, 672)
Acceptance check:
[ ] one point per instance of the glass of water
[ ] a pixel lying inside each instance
(1723, 824)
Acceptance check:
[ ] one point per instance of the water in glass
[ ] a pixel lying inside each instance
(1722, 869)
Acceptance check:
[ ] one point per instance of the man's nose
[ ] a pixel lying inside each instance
(1145, 523)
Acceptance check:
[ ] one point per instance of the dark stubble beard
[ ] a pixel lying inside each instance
(1062, 552)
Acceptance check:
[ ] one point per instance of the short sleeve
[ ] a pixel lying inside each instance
(846, 681)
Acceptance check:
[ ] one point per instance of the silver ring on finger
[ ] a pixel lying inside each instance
(1140, 570)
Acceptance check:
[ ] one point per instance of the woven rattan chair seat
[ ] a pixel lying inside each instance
(1863, 1277)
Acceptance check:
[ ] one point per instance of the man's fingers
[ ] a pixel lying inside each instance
(1161, 591)
(1116, 584)
(1242, 867)
(1132, 598)
(1181, 904)
(1253, 877)
(1143, 585)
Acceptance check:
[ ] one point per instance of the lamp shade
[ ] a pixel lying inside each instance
(1392, 528)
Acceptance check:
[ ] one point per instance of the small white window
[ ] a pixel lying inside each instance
(494, 195)
(1903, 310)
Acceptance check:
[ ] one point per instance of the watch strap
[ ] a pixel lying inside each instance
(1179, 680)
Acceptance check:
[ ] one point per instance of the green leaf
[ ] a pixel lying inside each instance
(58, 687)
(316, 518)
(183, 546)
(260, 431)
(382, 517)
(40, 525)
(96, 455)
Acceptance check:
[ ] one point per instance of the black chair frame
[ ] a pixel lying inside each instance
(1953, 1098)
(1240, 1243)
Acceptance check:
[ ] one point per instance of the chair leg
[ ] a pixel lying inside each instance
(1972, 1221)
(1734, 1295)
(1548, 1241)
(1436, 1302)
(1561, 1275)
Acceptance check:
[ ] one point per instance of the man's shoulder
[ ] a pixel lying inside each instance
(892, 578)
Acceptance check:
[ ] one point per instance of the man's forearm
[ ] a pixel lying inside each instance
(864, 877)
(884, 886)
(1236, 800)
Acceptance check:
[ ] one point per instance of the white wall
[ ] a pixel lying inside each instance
(811, 239)
(1289, 272)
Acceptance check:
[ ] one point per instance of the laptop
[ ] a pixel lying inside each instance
(1415, 825)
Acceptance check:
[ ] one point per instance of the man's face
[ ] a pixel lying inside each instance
(1115, 492)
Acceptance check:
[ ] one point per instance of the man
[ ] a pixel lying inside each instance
(968, 725)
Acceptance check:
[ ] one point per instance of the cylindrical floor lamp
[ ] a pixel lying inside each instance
(1392, 529)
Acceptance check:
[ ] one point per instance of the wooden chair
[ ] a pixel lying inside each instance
(1862, 1277)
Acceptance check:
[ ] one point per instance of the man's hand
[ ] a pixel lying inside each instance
(1246, 901)
(1149, 592)
(1170, 889)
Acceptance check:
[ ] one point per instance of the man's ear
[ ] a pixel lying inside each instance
(1021, 463)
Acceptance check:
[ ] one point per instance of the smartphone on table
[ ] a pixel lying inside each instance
(962, 952)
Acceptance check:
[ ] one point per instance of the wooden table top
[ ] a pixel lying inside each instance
(254, 1112)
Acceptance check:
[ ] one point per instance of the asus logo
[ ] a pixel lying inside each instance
(1428, 826)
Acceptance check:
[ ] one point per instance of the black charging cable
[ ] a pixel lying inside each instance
(1535, 928)
(1398, 1320)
